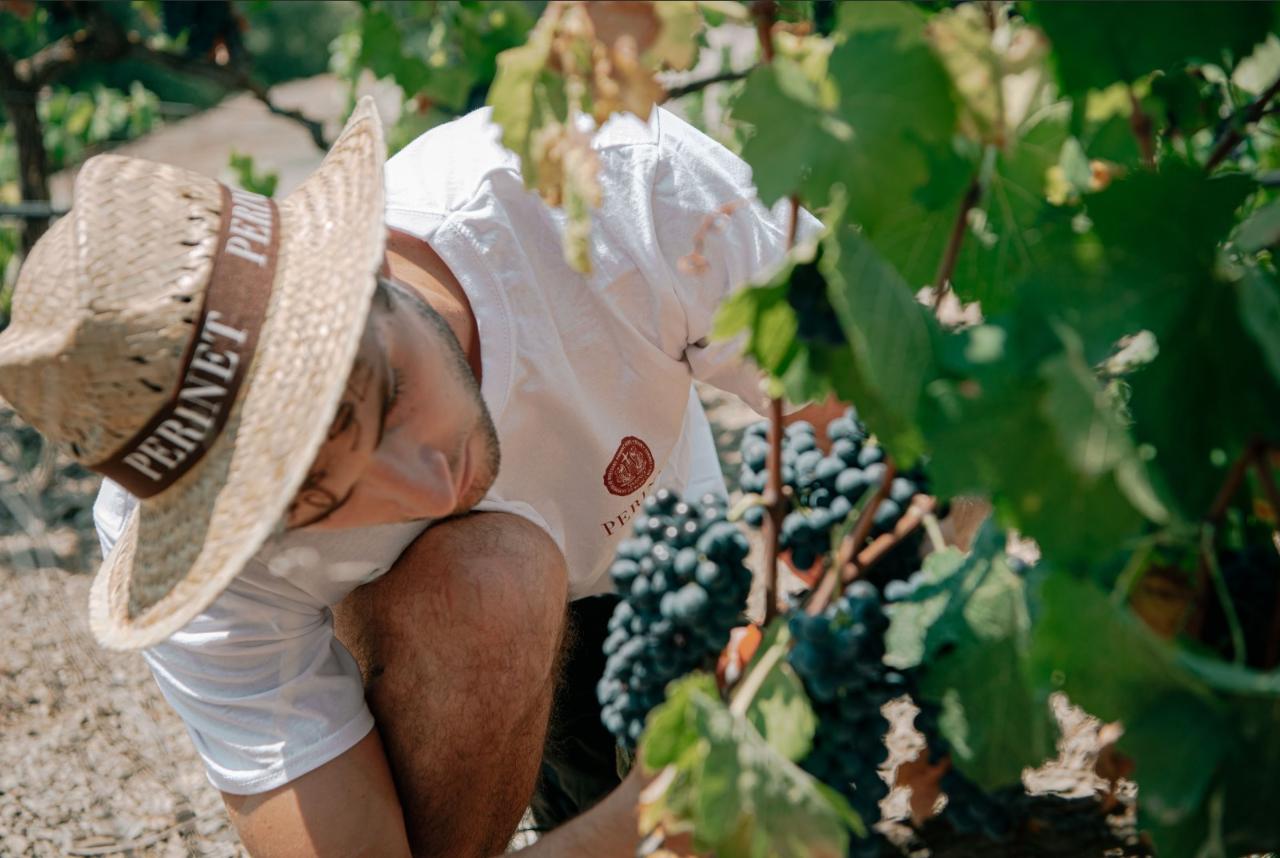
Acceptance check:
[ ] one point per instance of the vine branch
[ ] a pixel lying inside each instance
(1142, 127)
(774, 501)
(942, 280)
(849, 546)
(765, 12)
(1231, 484)
(1267, 479)
(696, 85)
(1238, 121)
(104, 39)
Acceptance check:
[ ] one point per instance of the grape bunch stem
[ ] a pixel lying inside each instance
(858, 536)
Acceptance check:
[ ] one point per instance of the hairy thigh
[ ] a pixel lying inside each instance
(458, 646)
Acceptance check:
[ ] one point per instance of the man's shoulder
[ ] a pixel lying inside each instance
(443, 168)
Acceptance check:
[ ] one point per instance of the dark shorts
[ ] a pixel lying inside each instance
(579, 764)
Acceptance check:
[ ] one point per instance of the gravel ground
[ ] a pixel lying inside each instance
(93, 762)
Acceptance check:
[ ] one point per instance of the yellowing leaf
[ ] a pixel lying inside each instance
(999, 72)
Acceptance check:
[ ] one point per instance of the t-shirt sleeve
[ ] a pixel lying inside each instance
(266, 691)
(716, 237)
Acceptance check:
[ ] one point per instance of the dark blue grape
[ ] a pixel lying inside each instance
(684, 586)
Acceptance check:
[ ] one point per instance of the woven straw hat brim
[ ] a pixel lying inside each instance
(182, 548)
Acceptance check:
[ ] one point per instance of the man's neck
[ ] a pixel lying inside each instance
(412, 261)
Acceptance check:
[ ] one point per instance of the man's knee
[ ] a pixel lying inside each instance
(458, 644)
(475, 595)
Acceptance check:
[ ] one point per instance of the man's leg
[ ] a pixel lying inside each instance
(458, 646)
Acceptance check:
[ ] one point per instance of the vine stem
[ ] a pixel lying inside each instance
(921, 509)
(1220, 586)
(696, 85)
(1238, 122)
(849, 547)
(1231, 484)
(774, 499)
(1140, 124)
(942, 279)
(765, 12)
(1268, 481)
(774, 502)
(1263, 464)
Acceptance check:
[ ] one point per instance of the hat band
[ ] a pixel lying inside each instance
(217, 358)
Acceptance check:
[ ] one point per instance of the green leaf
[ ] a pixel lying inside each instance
(1086, 419)
(1206, 396)
(1260, 313)
(1260, 230)
(1249, 823)
(736, 794)
(1118, 669)
(525, 96)
(1187, 102)
(1131, 271)
(1097, 44)
(898, 99)
(1011, 229)
(911, 619)
(779, 709)
(768, 320)
(1174, 786)
(976, 656)
(380, 44)
(794, 146)
(994, 434)
(888, 335)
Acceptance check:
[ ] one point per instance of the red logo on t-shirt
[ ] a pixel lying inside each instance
(631, 466)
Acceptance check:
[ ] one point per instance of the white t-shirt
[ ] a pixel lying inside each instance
(588, 379)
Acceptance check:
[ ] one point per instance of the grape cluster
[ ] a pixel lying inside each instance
(816, 319)
(683, 585)
(839, 655)
(826, 487)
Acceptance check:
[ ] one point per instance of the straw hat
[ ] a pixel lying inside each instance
(165, 304)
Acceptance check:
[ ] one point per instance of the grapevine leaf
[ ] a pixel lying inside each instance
(1013, 228)
(1187, 101)
(794, 146)
(993, 433)
(780, 710)
(1260, 230)
(897, 97)
(913, 235)
(997, 64)
(992, 717)
(768, 320)
(736, 794)
(911, 618)
(1087, 422)
(1190, 403)
(1260, 312)
(976, 652)
(1249, 821)
(1174, 785)
(1097, 44)
(521, 94)
(888, 335)
(1133, 272)
(1087, 667)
